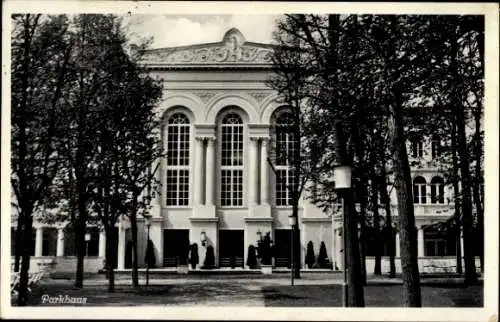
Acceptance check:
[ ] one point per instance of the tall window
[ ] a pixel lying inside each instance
(419, 190)
(178, 160)
(285, 153)
(417, 148)
(437, 190)
(435, 148)
(232, 160)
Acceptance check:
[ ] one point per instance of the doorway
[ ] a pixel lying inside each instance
(175, 247)
(282, 243)
(231, 248)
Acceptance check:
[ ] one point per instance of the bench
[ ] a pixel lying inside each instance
(33, 278)
(433, 268)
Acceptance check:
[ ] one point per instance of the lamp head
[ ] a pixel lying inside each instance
(87, 237)
(342, 177)
(203, 238)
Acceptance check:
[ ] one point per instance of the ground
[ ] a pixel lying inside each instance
(313, 290)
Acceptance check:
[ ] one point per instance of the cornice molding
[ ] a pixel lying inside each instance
(204, 219)
(258, 219)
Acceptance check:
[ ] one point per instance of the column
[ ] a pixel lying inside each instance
(334, 245)
(340, 247)
(198, 171)
(39, 242)
(60, 242)
(264, 173)
(102, 244)
(121, 246)
(462, 246)
(398, 249)
(253, 171)
(420, 242)
(209, 185)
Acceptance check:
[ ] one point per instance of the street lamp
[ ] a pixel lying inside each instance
(147, 222)
(292, 222)
(342, 177)
(87, 239)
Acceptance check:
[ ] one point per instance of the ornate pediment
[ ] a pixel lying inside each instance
(232, 51)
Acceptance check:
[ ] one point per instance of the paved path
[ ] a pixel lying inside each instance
(312, 290)
(251, 280)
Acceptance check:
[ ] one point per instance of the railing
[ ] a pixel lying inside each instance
(236, 261)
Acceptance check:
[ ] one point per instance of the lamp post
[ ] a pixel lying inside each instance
(147, 222)
(342, 178)
(87, 239)
(292, 223)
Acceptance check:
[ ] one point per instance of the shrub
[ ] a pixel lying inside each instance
(265, 249)
(194, 258)
(209, 258)
(150, 257)
(251, 257)
(310, 258)
(322, 257)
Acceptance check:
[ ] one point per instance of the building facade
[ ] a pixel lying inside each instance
(220, 122)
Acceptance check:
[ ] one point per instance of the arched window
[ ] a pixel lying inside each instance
(437, 190)
(231, 160)
(178, 129)
(285, 152)
(419, 190)
(417, 148)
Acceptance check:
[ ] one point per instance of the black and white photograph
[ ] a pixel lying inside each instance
(251, 160)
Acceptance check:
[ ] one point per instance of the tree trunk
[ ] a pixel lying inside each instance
(350, 235)
(354, 282)
(26, 212)
(135, 265)
(467, 221)
(296, 240)
(362, 196)
(456, 192)
(362, 236)
(478, 153)
(403, 185)
(80, 241)
(390, 238)
(376, 227)
(19, 241)
(110, 251)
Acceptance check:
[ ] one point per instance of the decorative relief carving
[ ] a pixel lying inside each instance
(204, 95)
(232, 49)
(259, 96)
(229, 53)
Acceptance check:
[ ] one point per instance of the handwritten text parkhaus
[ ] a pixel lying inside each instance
(63, 299)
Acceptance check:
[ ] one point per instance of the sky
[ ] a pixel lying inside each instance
(180, 30)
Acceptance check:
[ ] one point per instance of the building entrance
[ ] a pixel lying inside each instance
(282, 243)
(231, 248)
(175, 247)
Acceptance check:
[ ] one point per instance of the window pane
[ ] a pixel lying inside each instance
(430, 248)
